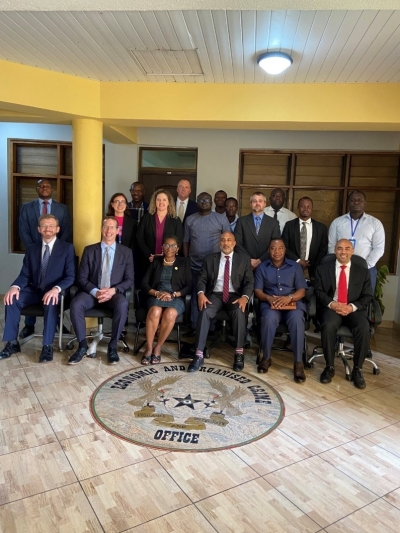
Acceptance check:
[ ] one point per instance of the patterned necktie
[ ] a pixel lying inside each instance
(303, 241)
(44, 209)
(225, 290)
(181, 211)
(276, 214)
(258, 224)
(342, 286)
(105, 270)
(43, 268)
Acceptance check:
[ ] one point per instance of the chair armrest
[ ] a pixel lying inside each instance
(73, 291)
(375, 313)
(188, 300)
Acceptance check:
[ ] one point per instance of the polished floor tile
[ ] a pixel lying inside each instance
(72, 420)
(18, 402)
(62, 393)
(386, 401)
(28, 431)
(387, 438)
(185, 520)
(133, 495)
(12, 379)
(378, 517)
(393, 498)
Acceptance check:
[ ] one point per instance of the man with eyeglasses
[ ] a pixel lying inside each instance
(202, 234)
(48, 268)
(105, 273)
(28, 224)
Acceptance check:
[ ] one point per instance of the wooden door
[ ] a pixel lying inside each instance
(166, 180)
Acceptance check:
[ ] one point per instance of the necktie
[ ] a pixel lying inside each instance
(225, 290)
(342, 286)
(43, 268)
(258, 224)
(181, 211)
(105, 270)
(303, 241)
(44, 209)
(276, 214)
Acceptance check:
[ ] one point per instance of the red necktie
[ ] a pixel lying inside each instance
(225, 290)
(342, 286)
(44, 210)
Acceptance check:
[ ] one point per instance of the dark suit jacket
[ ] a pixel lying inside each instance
(146, 232)
(241, 275)
(191, 209)
(129, 230)
(318, 245)
(181, 280)
(28, 222)
(60, 270)
(359, 290)
(89, 272)
(247, 240)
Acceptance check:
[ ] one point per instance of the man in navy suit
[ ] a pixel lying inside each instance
(184, 206)
(103, 286)
(48, 268)
(315, 234)
(28, 223)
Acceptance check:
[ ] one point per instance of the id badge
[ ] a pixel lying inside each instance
(353, 242)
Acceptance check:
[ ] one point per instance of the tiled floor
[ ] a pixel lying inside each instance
(333, 464)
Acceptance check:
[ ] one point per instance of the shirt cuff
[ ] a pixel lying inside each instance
(57, 287)
(15, 287)
(354, 307)
(93, 292)
(245, 295)
(200, 292)
(330, 303)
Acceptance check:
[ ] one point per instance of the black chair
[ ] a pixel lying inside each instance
(282, 330)
(346, 354)
(96, 336)
(37, 310)
(139, 299)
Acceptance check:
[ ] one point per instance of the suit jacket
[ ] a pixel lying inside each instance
(191, 209)
(146, 232)
(60, 270)
(89, 272)
(28, 222)
(181, 276)
(359, 290)
(241, 275)
(129, 230)
(318, 245)
(247, 240)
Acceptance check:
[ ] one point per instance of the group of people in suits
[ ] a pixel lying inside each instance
(271, 251)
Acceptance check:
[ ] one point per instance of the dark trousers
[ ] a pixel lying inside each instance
(236, 315)
(84, 301)
(373, 273)
(359, 326)
(194, 308)
(13, 315)
(294, 319)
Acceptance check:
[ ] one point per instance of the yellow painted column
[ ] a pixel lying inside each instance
(87, 152)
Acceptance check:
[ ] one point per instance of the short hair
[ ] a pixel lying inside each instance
(136, 183)
(220, 191)
(43, 179)
(110, 209)
(47, 217)
(176, 239)
(358, 192)
(171, 203)
(109, 218)
(231, 199)
(305, 198)
(258, 193)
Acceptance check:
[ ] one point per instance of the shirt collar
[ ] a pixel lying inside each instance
(112, 246)
(338, 265)
(224, 255)
(306, 221)
(50, 200)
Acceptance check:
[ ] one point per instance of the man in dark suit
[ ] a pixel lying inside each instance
(225, 281)
(344, 291)
(28, 223)
(254, 232)
(184, 206)
(306, 240)
(48, 268)
(105, 273)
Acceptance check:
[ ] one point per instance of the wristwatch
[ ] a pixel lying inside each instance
(291, 296)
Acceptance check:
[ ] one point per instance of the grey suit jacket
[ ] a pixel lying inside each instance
(247, 240)
(28, 222)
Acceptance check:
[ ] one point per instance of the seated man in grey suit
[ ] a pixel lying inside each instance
(105, 273)
(344, 292)
(225, 281)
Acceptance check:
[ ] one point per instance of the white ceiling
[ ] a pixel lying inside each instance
(197, 46)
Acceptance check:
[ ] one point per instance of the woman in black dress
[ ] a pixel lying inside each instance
(167, 281)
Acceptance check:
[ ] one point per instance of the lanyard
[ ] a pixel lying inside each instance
(355, 229)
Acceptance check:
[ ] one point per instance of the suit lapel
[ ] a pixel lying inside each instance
(235, 270)
(38, 262)
(98, 263)
(250, 222)
(332, 275)
(297, 236)
(37, 208)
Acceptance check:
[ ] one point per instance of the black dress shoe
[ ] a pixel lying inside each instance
(369, 354)
(9, 349)
(26, 331)
(189, 334)
(327, 374)
(77, 356)
(112, 356)
(238, 364)
(196, 364)
(298, 373)
(358, 378)
(47, 354)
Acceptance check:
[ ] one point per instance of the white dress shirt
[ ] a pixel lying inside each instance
(309, 236)
(219, 286)
(337, 274)
(284, 215)
(368, 232)
(178, 204)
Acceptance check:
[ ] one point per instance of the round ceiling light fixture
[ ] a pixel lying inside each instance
(274, 62)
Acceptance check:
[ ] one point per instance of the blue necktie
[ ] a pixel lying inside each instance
(258, 224)
(43, 268)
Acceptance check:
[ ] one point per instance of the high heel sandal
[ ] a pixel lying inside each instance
(155, 359)
(146, 360)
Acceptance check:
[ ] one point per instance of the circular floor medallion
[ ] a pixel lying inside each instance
(164, 406)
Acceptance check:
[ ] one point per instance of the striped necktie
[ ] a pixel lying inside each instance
(43, 267)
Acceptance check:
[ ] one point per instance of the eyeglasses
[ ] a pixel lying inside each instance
(167, 246)
(204, 201)
(120, 202)
(110, 227)
(47, 227)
